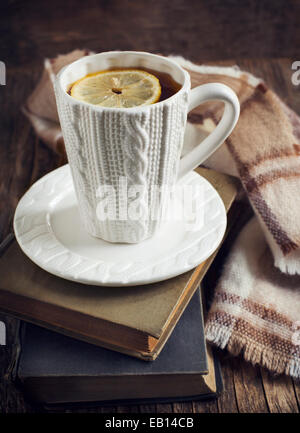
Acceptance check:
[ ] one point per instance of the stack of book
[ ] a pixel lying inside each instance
(81, 343)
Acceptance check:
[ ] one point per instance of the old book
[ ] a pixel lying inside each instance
(55, 369)
(133, 320)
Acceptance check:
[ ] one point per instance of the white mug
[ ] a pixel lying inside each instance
(125, 147)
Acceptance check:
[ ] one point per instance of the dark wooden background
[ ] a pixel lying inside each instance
(262, 36)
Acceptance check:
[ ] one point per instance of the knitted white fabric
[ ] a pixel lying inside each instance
(104, 145)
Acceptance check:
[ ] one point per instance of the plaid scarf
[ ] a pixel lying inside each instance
(256, 306)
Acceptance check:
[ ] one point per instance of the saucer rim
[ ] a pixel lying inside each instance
(167, 274)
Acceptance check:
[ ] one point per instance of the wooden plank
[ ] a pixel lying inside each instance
(147, 408)
(227, 401)
(278, 393)
(105, 409)
(127, 409)
(185, 407)
(296, 386)
(248, 388)
(164, 408)
(192, 29)
(209, 406)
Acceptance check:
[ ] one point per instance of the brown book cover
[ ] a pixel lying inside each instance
(133, 320)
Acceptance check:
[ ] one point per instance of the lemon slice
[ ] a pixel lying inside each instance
(124, 88)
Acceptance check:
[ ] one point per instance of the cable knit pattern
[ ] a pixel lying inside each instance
(135, 165)
(80, 170)
(104, 145)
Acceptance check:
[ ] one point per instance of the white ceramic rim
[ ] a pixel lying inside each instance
(186, 84)
(168, 268)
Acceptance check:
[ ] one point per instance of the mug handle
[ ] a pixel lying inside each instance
(204, 93)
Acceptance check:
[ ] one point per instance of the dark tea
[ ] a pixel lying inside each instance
(168, 85)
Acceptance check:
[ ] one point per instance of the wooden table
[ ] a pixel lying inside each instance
(31, 33)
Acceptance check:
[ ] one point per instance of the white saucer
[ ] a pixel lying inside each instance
(49, 231)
